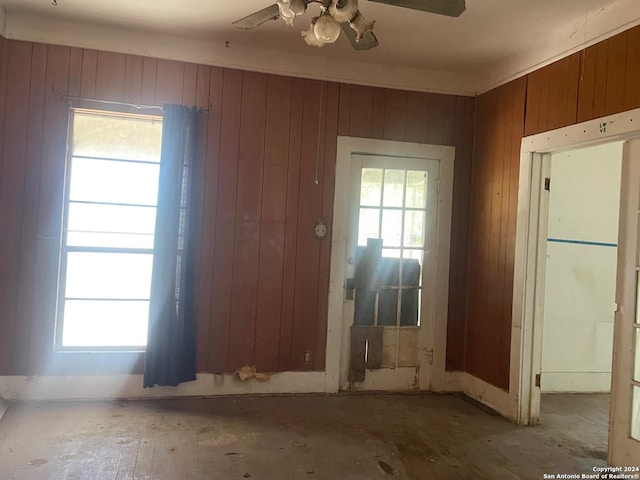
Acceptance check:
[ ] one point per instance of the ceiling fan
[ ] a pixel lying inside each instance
(337, 15)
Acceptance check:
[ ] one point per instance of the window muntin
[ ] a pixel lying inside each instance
(108, 230)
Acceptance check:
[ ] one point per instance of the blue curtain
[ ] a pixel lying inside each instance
(171, 350)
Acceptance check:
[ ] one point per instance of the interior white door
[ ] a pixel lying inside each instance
(393, 209)
(624, 434)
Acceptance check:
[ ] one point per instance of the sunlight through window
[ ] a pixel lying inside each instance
(109, 223)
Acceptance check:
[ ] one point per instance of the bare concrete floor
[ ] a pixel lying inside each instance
(344, 437)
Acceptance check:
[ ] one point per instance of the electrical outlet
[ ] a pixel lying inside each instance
(307, 357)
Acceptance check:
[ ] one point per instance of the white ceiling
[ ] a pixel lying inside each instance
(491, 42)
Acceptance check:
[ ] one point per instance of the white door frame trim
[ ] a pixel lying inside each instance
(526, 343)
(335, 338)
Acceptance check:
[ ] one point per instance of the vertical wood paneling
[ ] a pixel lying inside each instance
(563, 92)
(593, 85)
(5, 319)
(169, 80)
(500, 119)
(26, 327)
(417, 117)
(328, 187)
(616, 73)
(225, 220)
(209, 216)
(361, 111)
(517, 113)
(89, 72)
(604, 77)
(12, 191)
(149, 80)
(50, 204)
(75, 71)
(552, 95)
(395, 115)
(291, 222)
(632, 70)
(344, 112)
(247, 227)
(536, 87)
(307, 252)
(378, 112)
(110, 75)
(202, 244)
(490, 269)
(189, 84)
(272, 224)
(265, 174)
(441, 120)
(133, 80)
(456, 325)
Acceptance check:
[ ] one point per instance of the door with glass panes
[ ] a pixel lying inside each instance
(391, 263)
(624, 434)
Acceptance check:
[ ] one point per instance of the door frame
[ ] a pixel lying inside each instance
(531, 225)
(337, 341)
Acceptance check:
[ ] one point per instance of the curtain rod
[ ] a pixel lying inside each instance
(109, 102)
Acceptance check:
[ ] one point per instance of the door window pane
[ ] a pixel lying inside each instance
(393, 188)
(391, 228)
(108, 275)
(371, 187)
(637, 319)
(368, 225)
(416, 189)
(635, 414)
(104, 323)
(414, 228)
(636, 369)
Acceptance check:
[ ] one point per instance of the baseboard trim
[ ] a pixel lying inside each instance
(496, 398)
(109, 387)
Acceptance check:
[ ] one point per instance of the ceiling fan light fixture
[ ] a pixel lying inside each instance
(361, 26)
(343, 10)
(286, 13)
(298, 7)
(326, 29)
(310, 37)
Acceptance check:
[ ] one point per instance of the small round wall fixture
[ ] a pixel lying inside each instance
(320, 229)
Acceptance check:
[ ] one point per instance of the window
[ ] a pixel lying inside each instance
(108, 230)
(392, 215)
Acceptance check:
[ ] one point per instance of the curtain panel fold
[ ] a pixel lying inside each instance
(171, 344)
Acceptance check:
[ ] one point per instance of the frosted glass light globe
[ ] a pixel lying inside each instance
(327, 30)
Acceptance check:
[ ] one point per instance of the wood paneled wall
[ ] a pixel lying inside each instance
(266, 173)
(598, 81)
(494, 195)
(434, 119)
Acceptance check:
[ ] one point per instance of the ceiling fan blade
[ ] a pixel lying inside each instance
(271, 12)
(369, 41)
(450, 8)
